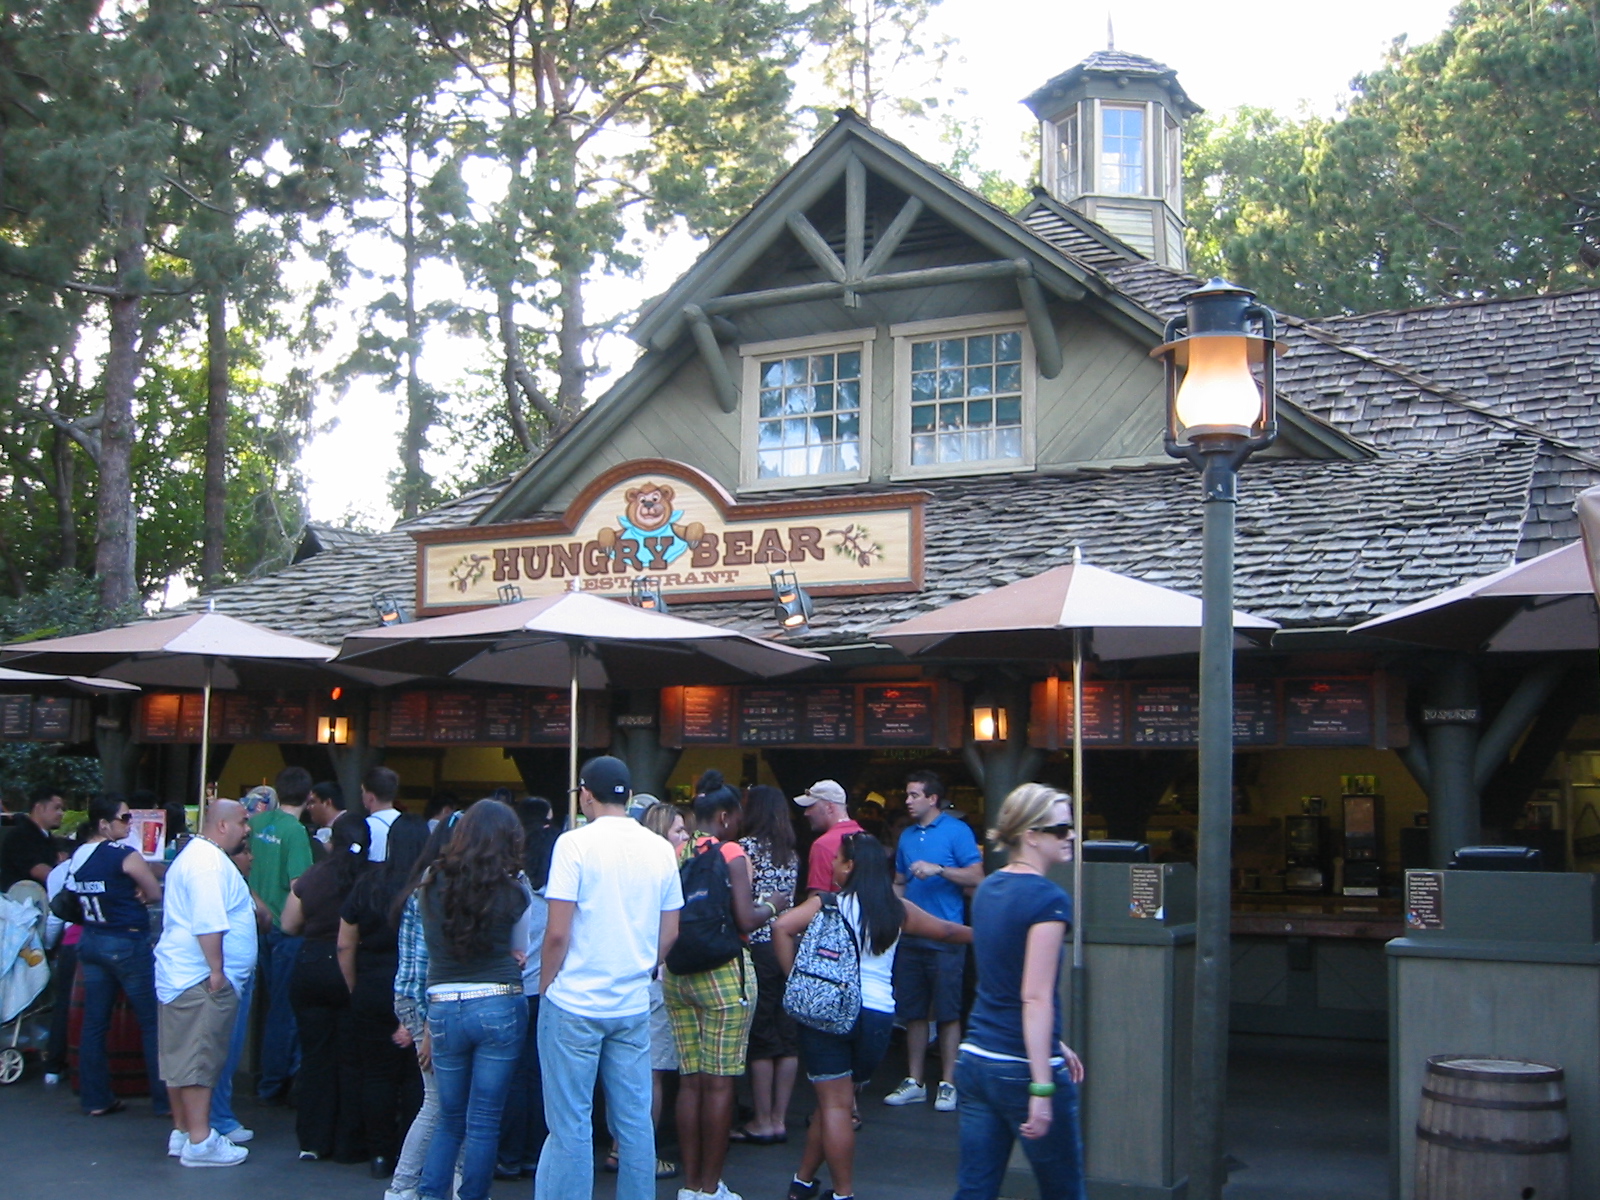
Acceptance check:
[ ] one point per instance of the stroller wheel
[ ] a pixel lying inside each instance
(10, 1065)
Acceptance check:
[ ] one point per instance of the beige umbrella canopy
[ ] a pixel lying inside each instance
(1544, 604)
(62, 685)
(200, 650)
(1588, 506)
(573, 640)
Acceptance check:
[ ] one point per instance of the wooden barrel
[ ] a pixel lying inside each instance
(1492, 1129)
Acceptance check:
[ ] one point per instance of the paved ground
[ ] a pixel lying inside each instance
(1308, 1125)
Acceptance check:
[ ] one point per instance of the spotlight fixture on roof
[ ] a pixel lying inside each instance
(644, 591)
(791, 605)
(509, 593)
(389, 610)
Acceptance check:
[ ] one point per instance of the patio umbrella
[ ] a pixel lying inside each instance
(1588, 507)
(200, 650)
(575, 640)
(1060, 612)
(62, 685)
(1544, 604)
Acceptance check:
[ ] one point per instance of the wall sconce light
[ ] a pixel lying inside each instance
(333, 731)
(389, 610)
(644, 591)
(791, 605)
(989, 723)
(509, 593)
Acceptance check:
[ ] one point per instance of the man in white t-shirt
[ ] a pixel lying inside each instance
(614, 898)
(379, 787)
(205, 956)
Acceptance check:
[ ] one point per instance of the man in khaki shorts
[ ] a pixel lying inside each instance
(206, 954)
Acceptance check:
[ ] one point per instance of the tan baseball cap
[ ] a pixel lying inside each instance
(823, 789)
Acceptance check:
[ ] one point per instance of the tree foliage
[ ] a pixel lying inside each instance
(1463, 168)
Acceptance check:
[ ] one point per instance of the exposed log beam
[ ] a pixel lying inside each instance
(815, 245)
(893, 236)
(855, 223)
(1046, 345)
(711, 354)
(803, 292)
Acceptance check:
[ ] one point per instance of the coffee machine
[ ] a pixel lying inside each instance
(1363, 844)
(1306, 846)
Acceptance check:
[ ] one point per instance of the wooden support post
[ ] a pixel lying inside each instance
(1046, 345)
(821, 253)
(706, 339)
(892, 237)
(855, 223)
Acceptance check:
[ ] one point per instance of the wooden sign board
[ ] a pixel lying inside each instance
(676, 525)
(916, 714)
(43, 719)
(487, 717)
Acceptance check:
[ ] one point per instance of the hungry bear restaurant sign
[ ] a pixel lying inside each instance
(674, 524)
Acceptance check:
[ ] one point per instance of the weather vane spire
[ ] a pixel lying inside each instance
(1111, 35)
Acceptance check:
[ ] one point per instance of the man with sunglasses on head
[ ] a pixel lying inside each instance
(936, 861)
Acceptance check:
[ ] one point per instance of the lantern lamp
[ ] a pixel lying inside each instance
(644, 591)
(791, 604)
(389, 610)
(1212, 352)
(333, 731)
(989, 723)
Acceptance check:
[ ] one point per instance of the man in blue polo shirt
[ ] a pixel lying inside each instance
(936, 862)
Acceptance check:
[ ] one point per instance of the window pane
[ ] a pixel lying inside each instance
(849, 394)
(794, 432)
(950, 446)
(821, 368)
(951, 383)
(921, 418)
(1008, 443)
(922, 356)
(980, 443)
(924, 385)
(771, 402)
(769, 464)
(980, 349)
(953, 352)
(794, 370)
(980, 412)
(769, 434)
(1122, 149)
(822, 398)
(822, 429)
(820, 460)
(848, 456)
(950, 415)
(799, 400)
(980, 381)
(850, 365)
(1008, 378)
(1008, 412)
(1008, 347)
(772, 374)
(922, 450)
(849, 428)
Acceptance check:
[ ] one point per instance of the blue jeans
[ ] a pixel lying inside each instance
(572, 1050)
(280, 1045)
(109, 961)
(476, 1044)
(222, 1118)
(993, 1104)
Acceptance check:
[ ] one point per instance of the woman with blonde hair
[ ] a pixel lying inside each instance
(1015, 1075)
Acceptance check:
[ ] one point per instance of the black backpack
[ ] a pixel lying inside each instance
(707, 936)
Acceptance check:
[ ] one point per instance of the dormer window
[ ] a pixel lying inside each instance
(1068, 155)
(1122, 149)
(805, 403)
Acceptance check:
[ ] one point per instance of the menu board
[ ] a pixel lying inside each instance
(191, 716)
(1327, 712)
(769, 716)
(898, 715)
(1255, 713)
(284, 717)
(16, 716)
(240, 721)
(549, 718)
(408, 717)
(1103, 715)
(160, 711)
(52, 719)
(707, 715)
(828, 715)
(502, 717)
(1164, 714)
(453, 717)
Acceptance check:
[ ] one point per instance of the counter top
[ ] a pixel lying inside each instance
(1376, 919)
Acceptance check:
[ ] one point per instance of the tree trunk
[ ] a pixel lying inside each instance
(61, 458)
(216, 457)
(116, 524)
(419, 410)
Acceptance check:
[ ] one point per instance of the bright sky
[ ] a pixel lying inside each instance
(1226, 55)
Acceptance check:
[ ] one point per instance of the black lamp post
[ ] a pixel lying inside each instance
(1218, 414)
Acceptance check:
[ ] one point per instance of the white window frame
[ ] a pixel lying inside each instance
(914, 331)
(1146, 166)
(750, 406)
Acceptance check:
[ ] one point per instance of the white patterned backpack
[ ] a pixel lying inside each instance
(824, 991)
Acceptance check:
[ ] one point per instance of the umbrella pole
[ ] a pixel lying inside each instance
(1079, 997)
(572, 744)
(205, 742)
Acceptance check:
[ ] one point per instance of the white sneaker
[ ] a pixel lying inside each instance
(689, 1194)
(909, 1092)
(946, 1101)
(240, 1136)
(215, 1151)
(722, 1193)
(400, 1194)
(175, 1141)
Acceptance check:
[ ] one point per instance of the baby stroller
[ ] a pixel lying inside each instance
(24, 973)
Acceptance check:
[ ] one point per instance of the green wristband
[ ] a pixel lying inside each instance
(1042, 1089)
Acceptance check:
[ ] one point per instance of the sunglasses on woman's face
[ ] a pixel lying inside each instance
(1063, 830)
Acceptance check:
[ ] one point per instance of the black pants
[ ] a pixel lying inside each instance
(391, 1083)
(328, 1087)
(55, 1057)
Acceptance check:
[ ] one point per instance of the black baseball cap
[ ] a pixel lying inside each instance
(607, 779)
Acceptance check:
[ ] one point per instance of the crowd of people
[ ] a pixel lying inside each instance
(443, 996)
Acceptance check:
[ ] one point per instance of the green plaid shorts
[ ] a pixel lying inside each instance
(710, 1013)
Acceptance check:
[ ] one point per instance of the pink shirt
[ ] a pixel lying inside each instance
(819, 867)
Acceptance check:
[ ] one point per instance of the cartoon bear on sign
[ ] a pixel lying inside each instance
(658, 531)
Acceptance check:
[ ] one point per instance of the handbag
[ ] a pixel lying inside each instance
(67, 905)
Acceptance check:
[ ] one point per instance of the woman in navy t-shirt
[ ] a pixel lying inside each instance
(1015, 1075)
